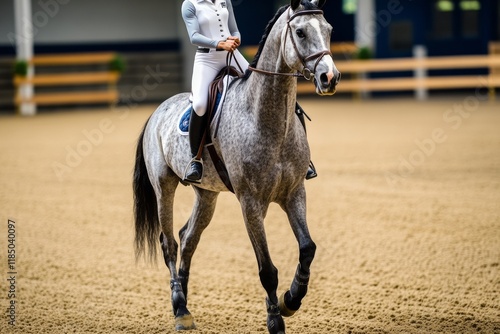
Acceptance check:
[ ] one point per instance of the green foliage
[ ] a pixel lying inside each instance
(364, 53)
(21, 68)
(117, 64)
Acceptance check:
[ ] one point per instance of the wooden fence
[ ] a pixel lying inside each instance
(81, 71)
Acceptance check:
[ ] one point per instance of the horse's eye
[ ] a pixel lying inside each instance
(300, 33)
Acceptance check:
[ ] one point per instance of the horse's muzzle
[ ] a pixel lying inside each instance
(326, 84)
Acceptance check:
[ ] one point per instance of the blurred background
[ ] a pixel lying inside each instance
(148, 39)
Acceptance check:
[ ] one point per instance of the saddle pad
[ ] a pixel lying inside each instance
(186, 115)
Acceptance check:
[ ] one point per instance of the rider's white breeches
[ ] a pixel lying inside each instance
(205, 69)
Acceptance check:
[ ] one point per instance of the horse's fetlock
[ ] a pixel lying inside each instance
(291, 302)
(272, 308)
(178, 298)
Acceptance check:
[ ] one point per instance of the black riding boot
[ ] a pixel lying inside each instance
(194, 171)
(311, 171)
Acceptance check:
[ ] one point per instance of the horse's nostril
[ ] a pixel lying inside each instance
(324, 80)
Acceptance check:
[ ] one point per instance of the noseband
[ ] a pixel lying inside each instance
(306, 73)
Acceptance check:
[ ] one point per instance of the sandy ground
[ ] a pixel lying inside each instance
(405, 213)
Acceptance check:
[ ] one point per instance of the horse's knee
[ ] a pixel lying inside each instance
(269, 278)
(307, 252)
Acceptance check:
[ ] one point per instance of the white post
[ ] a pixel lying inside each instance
(366, 24)
(365, 31)
(24, 50)
(420, 73)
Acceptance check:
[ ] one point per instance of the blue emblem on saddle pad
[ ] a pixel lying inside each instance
(184, 122)
(186, 116)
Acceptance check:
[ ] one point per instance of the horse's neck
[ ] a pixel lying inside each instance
(274, 96)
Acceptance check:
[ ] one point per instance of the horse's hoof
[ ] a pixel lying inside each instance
(284, 310)
(275, 324)
(184, 322)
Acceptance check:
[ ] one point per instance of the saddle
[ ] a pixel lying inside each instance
(216, 88)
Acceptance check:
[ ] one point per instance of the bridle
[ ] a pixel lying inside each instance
(306, 73)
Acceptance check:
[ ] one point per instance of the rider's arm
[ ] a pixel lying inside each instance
(193, 27)
(233, 27)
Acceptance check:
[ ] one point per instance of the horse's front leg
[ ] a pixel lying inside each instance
(295, 207)
(254, 214)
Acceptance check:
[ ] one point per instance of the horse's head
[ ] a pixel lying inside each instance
(306, 45)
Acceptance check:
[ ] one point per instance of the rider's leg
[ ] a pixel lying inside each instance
(202, 76)
(197, 125)
(311, 171)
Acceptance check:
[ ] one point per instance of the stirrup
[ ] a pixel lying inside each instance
(311, 171)
(188, 167)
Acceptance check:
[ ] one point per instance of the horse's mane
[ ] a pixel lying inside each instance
(307, 5)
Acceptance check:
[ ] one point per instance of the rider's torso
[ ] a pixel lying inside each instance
(212, 18)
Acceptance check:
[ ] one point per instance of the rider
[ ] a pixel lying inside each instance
(211, 26)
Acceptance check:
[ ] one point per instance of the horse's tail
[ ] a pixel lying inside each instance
(147, 227)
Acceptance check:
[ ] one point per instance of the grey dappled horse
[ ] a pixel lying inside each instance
(264, 148)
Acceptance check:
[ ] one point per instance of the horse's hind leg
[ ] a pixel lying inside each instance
(295, 208)
(166, 185)
(190, 234)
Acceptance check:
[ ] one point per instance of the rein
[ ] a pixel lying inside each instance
(306, 73)
(226, 71)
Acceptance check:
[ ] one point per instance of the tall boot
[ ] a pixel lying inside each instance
(311, 171)
(197, 125)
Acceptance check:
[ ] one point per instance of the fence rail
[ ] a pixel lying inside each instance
(359, 81)
(82, 80)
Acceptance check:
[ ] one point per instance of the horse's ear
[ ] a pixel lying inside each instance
(319, 3)
(295, 4)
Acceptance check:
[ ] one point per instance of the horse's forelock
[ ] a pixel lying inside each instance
(308, 5)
